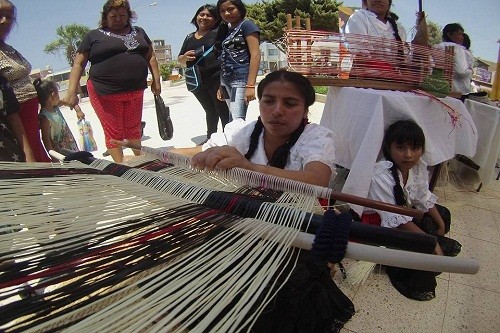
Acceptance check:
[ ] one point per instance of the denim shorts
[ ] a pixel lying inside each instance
(236, 88)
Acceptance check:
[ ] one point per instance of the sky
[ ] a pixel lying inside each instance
(170, 20)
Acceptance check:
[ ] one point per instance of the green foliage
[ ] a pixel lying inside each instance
(435, 34)
(270, 16)
(321, 90)
(69, 38)
(166, 69)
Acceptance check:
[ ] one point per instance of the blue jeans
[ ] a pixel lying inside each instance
(235, 88)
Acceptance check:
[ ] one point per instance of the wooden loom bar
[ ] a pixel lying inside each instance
(377, 204)
(348, 198)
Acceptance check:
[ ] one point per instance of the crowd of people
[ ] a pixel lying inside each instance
(281, 142)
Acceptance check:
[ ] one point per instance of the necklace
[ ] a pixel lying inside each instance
(129, 39)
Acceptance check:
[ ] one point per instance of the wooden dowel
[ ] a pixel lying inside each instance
(289, 21)
(308, 23)
(377, 204)
(297, 22)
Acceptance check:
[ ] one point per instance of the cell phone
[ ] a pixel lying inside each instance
(198, 52)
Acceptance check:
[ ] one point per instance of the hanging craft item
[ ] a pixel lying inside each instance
(87, 141)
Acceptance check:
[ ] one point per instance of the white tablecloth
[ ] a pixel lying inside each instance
(487, 120)
(359, 118)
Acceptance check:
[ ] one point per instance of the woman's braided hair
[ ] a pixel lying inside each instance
(280, 156)
(401, 132)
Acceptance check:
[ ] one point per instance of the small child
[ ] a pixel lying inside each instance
(55, 131)
(402, 178)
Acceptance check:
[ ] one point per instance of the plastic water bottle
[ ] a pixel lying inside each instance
(345, 59)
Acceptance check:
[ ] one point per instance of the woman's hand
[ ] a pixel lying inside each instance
(220, 158)
(438, 250)
(79, 114)
(220, 94)
(156, 87)
(126, 143)
(188, 56)
(420, 16)
(70, 100)
(249, 94)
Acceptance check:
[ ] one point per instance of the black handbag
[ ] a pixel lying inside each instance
(165, 126)
(192, 73)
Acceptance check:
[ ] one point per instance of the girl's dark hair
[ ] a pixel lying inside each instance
(466, 43)
(114, 4)
(44, 88)
(212, 10)
(238, 3)
(394, 26)
(223, 27)
(449, 29)
(280, 156)
(401, 132)
(298, 80)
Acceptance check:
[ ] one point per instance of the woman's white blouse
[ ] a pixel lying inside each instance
(365, 22)
(416, 191)
(315, 144)
(462, 69)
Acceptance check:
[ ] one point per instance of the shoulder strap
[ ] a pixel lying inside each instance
(204, 54)
(235, 30)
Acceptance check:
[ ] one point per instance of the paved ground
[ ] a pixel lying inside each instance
(187, 115)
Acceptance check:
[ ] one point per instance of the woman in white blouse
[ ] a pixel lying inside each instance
(375, 19)
(281, 142)
(453, 35)
(375, 57)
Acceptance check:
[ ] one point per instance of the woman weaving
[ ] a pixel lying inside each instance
(280, 143)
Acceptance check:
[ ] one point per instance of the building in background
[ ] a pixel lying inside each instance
(41, 73)
(163, 52)
(484, 72)
(271, 58)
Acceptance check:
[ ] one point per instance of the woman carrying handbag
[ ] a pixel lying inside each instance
(197, 50)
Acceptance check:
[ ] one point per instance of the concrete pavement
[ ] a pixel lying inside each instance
(187, 115)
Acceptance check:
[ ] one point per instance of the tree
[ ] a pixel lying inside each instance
(434, 31)
(270, 16)
(166, 69)
(69, 37)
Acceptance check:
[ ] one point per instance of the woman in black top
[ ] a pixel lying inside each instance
(120, 55)
(206, 20)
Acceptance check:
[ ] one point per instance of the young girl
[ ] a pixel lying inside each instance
(239, 44)
(402, 178)
(55, 131)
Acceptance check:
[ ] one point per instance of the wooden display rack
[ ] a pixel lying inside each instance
(318, 55)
